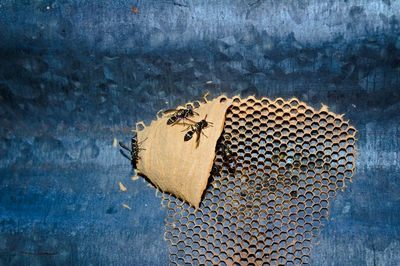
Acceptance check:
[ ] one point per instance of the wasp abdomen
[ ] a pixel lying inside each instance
(171, 120)
(188, 135)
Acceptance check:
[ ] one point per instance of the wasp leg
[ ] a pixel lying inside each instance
(187, 128)
(142, 141)
(123, 146)
(183, 121)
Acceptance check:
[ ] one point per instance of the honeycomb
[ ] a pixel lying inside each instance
(291, 160)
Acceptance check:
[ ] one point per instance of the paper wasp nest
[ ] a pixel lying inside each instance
(291, 160)
(177, 166)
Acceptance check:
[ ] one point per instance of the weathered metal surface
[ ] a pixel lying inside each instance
(76, 74)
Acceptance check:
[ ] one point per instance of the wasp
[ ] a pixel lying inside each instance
(227, 156)
(215, 170)
(197, 128)
(180, 115)
(134, 150)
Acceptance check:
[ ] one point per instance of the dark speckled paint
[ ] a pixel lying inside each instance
(75, 74)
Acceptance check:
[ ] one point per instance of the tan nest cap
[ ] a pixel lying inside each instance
(177, 166)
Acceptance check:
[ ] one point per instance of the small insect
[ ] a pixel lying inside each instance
(134, 10)
(134, 150)
(197, 128)
(215, 170)
(227, 156)
(180, 115)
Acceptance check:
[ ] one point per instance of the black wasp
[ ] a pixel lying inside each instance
(134, 150)
(180, 115)
(197, 128)
(227, 156)
(215, 170)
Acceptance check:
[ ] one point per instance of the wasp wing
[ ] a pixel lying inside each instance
(190, 120)
(198, 138)
(169, 111)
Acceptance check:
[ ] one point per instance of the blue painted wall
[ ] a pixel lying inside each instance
(76, 74)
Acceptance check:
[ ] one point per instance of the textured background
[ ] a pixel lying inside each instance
(75, 74)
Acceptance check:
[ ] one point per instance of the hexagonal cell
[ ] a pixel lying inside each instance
(290, 160)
